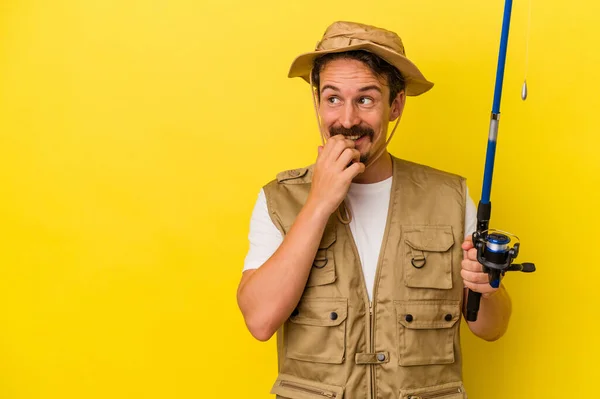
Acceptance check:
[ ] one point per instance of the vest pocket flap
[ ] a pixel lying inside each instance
(427, 258)
(321, 312)
(292, 387)
(429, 238)
(422, 315)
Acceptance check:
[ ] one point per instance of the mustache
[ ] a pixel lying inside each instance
(353, 131)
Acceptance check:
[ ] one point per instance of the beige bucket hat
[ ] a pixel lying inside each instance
(347, 36)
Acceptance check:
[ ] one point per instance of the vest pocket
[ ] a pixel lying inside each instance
(427, 256)
(288, 386)
(454, 390)
(323, 268)
(316, 331)
(426, 331)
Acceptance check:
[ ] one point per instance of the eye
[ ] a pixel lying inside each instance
(365, 101)
(333, 100)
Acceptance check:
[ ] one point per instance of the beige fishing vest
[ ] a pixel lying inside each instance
(406, 343)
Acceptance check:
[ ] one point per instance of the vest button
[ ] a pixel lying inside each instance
(333, 316)
(381, 357)
(448, 317)
(408, 318)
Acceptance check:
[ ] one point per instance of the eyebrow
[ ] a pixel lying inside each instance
(362, 89)
(367, 88)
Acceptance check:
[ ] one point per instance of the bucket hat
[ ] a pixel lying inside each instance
(345, 36)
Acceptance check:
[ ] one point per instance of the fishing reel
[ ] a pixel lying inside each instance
(495, 253)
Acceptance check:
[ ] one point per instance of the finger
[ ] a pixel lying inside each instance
(474, 277)
(335, 146)
(346, 157)
(471, 266)
(330, 144)
(353, 170)
(333, 140)
(472, 254)
(484, 289)
(467, 244)
(339, 146)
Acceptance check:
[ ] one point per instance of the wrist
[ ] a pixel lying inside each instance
(317, 211)
(498, 292)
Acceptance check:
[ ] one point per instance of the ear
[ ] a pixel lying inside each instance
(397, 106)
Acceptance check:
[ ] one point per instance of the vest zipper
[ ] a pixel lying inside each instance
(372, 345)
(369, 338)
(436, 394)
(314, 391)
(382, 252)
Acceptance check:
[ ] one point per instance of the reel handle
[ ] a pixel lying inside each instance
(525, 267)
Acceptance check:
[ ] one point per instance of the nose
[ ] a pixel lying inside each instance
(349, 116)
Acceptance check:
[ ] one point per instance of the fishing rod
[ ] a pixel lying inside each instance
(496, 249)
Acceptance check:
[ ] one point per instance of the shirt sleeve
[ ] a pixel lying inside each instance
(264, 237)
(470, 216)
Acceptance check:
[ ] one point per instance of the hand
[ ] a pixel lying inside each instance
(332, 175)
(472, 271)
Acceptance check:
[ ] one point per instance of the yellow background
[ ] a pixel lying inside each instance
(135, 135)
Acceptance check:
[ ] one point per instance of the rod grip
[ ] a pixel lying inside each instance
(473, 300)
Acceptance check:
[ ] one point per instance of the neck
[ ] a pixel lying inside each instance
(380, 170)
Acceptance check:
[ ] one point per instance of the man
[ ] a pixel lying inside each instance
(356, 260)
